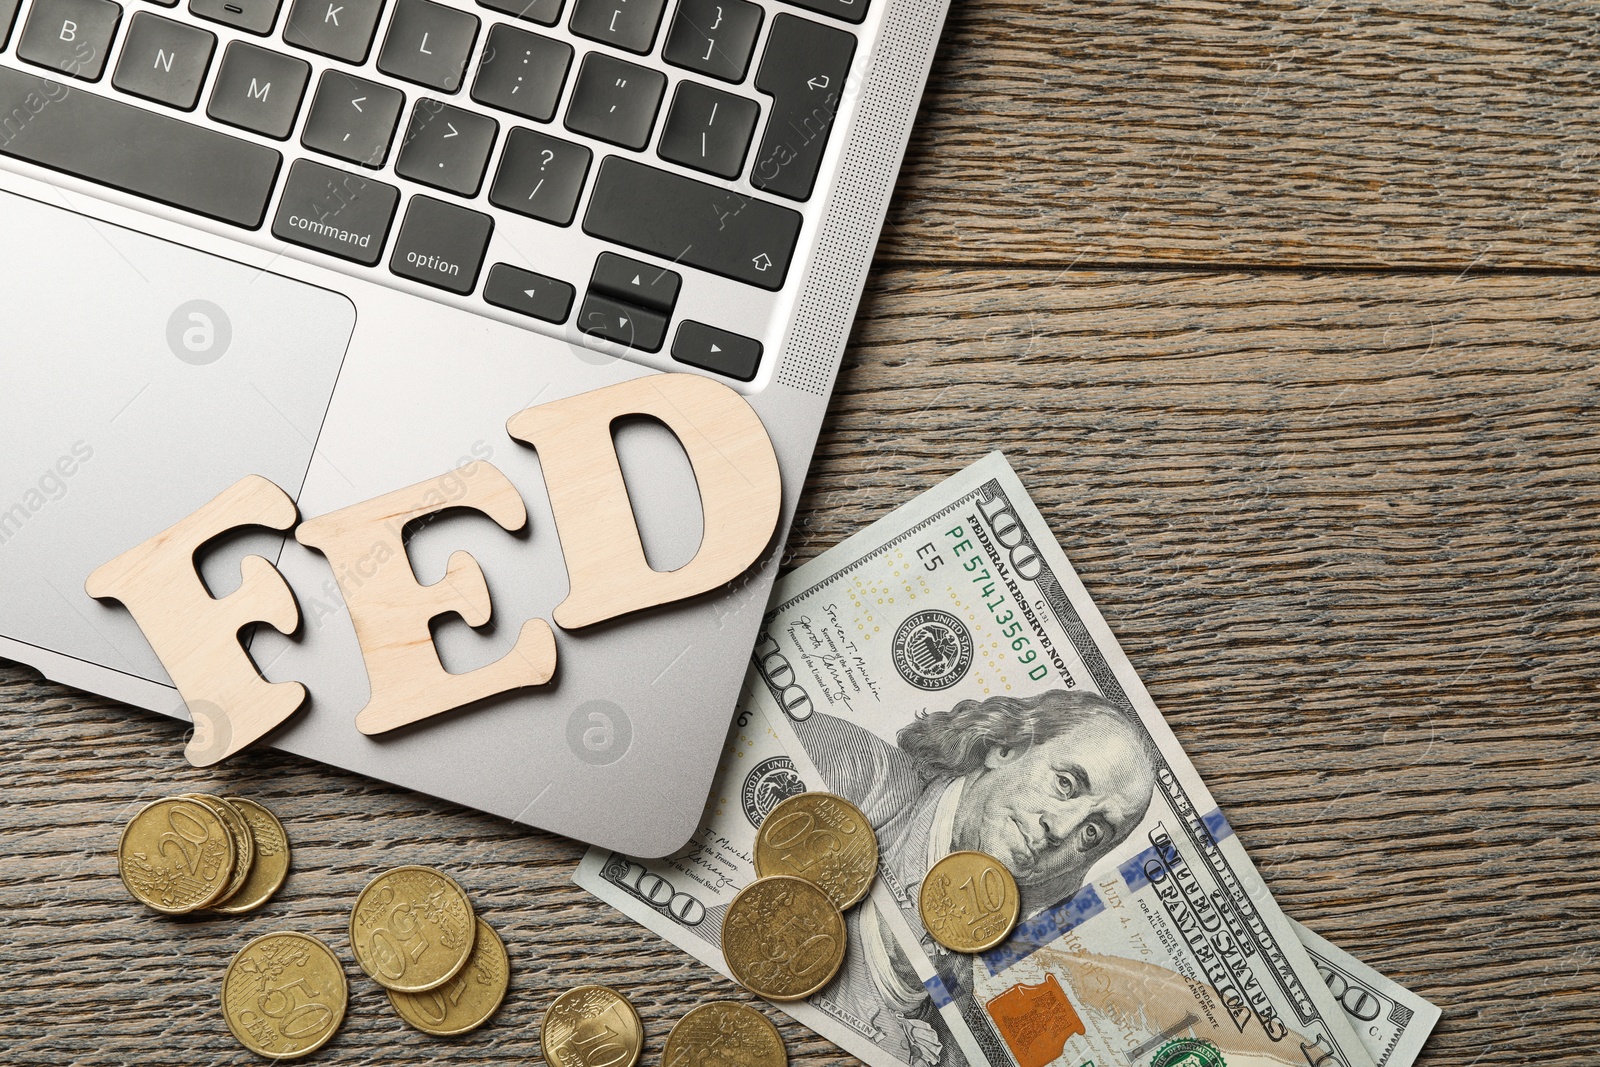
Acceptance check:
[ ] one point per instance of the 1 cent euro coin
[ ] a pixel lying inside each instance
(969, 902)
(724, 1034)
(783, 938)
(284, 995)
(412, 929)
(271, 864)
(466, 1001)
(824, 839)
(175, 855)
(591, 1026)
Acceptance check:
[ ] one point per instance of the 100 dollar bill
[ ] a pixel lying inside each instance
(946, 671)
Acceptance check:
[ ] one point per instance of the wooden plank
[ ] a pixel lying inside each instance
(1416, 133)
(1343, 525)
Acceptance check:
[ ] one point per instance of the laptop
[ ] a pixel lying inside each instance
(337, 243)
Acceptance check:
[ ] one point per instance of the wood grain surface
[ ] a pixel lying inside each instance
(1344, 523)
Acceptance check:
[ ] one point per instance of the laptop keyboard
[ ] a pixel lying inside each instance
(396, 135)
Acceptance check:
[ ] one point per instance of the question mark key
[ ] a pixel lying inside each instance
(541, 176)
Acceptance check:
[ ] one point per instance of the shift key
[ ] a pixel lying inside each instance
(333, 211)
(686, 221)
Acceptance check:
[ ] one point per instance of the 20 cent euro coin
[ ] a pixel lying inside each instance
(176, 855)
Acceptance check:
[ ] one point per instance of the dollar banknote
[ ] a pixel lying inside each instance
(946, 670)
(1391, 1021)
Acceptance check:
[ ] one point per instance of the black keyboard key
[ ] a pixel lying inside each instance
(353, 119)
(804, 71)
(690, 222)
(849, 10)
(626, 324)
(428, 44)
(528, 293)
(441, 245)
(544, 12)
(626, 24)
(8, 15)
(540, 176)
(164, 61)
(252, 16)
(715, 37)
(140, 152)
(712, 349)
(259, 90)
(70, 36)
(635, 283)
(342, 29)
(334, 211)
(447, 148)
(615, 101)
(708, 129)
(522, 72)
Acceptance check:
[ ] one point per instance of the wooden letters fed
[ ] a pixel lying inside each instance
(196, 636)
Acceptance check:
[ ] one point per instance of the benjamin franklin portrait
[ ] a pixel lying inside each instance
(1047, 784)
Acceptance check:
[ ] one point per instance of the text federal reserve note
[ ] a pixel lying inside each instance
(946, 671)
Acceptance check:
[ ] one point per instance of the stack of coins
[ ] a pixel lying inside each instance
(195, 851)
(596, 1026)
(816, 855)
(784, 935)
(413, 931)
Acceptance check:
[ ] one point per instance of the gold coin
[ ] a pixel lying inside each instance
(724, 1034)
(783, 938)
(824, 839)
(175, 855)
(412, 929)
(591, 1026)
(969, 902)
(284, 995)
(244, 845)
(466, 1001)
(271, 864)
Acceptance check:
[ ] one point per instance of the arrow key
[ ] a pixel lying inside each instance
(712, 349)
(634, 282)
(626, 324)
(528, 293)
(446, 147)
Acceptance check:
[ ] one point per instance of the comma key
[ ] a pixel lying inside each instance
(343, 214)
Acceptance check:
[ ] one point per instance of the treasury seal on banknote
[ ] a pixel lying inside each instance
(1187, 1052)
(933, 650)
(769, 783)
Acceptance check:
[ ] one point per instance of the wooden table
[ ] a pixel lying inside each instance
(1287, 314)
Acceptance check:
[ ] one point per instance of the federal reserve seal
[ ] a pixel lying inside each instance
(933, 650)
(1188, 1052)
(768, 783)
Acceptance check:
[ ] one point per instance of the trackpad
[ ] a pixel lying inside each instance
(138, 379)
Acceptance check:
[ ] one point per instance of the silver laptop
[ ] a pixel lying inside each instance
(337, 243)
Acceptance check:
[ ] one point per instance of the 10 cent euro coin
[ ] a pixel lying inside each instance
(412, 929)
(969, 902)
(591, 1026)
(824, 839)
(783, 938)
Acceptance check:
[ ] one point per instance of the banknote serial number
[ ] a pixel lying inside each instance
(994, 598)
